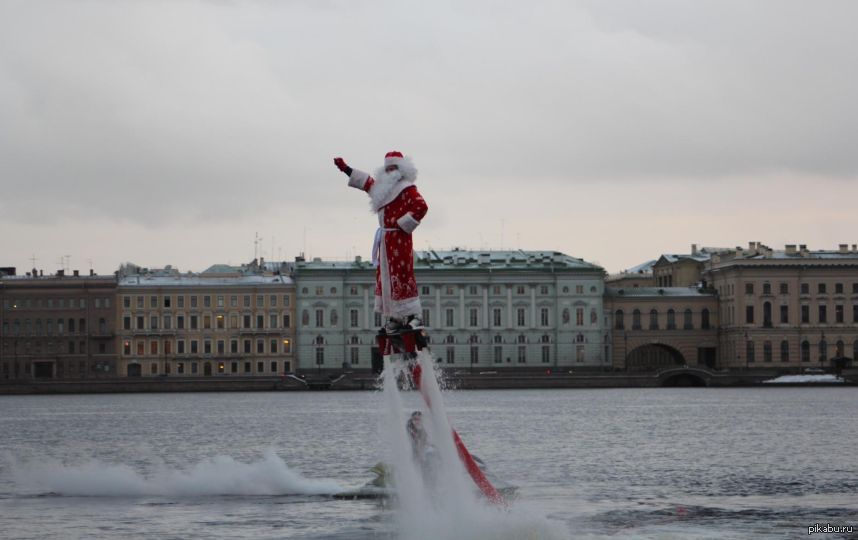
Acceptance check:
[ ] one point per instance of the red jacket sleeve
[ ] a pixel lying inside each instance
(416, 209)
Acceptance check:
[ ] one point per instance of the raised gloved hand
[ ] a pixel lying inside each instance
(341, 165)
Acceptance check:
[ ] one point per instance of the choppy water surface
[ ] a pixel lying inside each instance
(649, 463)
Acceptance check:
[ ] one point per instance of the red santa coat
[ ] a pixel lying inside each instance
(400, 211)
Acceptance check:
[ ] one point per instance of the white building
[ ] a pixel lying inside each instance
(484, 310)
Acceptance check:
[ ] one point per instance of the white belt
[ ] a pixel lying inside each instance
(376, 244)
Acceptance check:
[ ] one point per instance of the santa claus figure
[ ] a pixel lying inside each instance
(400, 209)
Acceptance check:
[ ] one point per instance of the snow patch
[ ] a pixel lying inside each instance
(783, 379)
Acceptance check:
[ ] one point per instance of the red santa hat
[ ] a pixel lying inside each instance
(393, 158)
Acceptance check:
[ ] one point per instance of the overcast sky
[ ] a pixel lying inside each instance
(171, 132)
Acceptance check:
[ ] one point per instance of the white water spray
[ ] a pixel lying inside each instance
(445, 503)
(221, 475)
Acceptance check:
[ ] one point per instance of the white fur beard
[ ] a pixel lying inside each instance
(384, 182)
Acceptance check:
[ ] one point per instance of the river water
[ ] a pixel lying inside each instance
(621, 463)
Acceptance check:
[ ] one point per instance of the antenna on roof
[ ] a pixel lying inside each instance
(502, 224)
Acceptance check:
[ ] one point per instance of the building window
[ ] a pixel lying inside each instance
(247, 346)
(784, 351)
(451, 355)
(475, 355)
(543, 316)
(805, 314)
(247, 367)
(823, 314)
(704, 319)
(767, 351)
(750, 351)
(619, 323)
(496, 317)
(784, 314)
(320, 318)
(749, 314)
(579, 289)
(579, 354)
(354, 355)
(260, 346)
(287, 321)
(749, 288)
(823, 351)
(305, 318)
(233, 346)
(427, 319)
(821, 288)
(377, 319)
(522, 354)
(805, 288)
(320, 356)
(272, 320)
(854, 315)
(498, 354)
(805, 351)
(546, 354)
(473, 317)
(272, 346)
(519, 289)
(636, 319)
(448, 314)
(838, 313)
(671, 319)
(784, 288)
(520, 316)
(543, 289)
(653, 319)
(579, 316)
(221, 346)
(767, 314)
(353, 318)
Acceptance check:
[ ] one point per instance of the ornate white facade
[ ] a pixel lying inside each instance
(482, 310)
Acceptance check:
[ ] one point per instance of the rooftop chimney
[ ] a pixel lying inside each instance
(76, 273)
(790, 249)
(91, 272)
(694, 249)
(752, 245)
(844, 248)
(61, 273)
(803, 249)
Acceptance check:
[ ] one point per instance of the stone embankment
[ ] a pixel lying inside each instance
(465, 380)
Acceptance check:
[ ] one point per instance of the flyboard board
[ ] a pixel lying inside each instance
(407, 343)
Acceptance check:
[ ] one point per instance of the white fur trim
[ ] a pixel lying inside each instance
(388, 161)
(407, 223)
(358, 179)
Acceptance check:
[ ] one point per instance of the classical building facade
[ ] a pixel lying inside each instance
(225, 323)
(483, 310)
(790, 308)
(660, 327)
(57, 327)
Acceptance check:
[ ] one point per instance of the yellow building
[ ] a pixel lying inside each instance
(795, 307)
(226, 322)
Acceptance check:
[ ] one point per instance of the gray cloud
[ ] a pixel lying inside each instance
(162, 112)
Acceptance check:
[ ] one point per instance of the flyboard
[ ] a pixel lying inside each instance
(407, 343)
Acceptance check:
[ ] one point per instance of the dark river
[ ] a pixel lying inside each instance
(649, 463)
